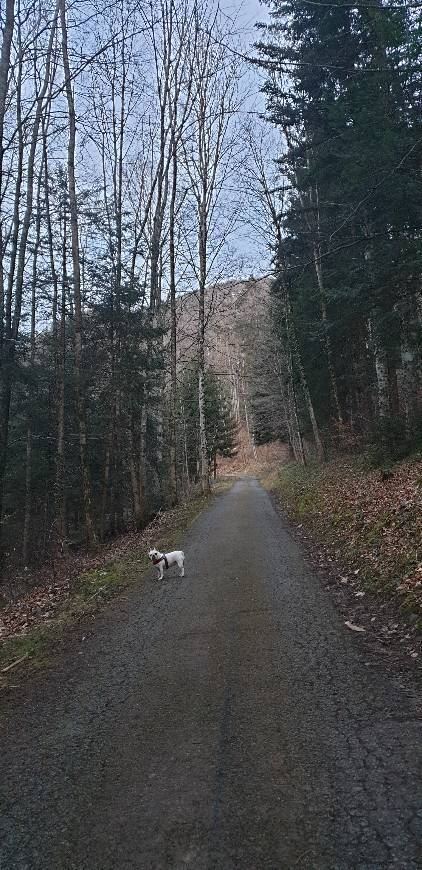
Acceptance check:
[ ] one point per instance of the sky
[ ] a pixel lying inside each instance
(253, 254)
(247, 12)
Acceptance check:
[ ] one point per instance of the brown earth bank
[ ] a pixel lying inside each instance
(362, 530)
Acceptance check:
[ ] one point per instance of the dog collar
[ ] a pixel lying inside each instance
(157, 561)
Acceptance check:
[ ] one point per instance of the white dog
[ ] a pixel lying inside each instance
(166, 560)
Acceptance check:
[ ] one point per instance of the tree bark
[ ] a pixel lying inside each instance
(28, 471)
(5, 389)
(11, 333)
(142, 459)
(173, 334)
(203, 449)
(60, 398)
(296, 357)
(137, 508)
(74, 223)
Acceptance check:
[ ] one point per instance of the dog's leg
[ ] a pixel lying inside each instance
(182, 566)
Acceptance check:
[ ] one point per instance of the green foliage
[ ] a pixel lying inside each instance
(101, 582)
(348, 106)
(221, 428)
(118, 365)
(28, 646)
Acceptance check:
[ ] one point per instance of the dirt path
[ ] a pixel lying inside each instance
(224, 721)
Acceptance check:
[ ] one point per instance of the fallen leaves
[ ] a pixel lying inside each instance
(53, 585)
(376, 530)
(354, 627)
(371, 534)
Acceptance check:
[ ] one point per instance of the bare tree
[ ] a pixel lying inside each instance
(180, 108)
(76, 267)
(208, 153)
(29, 434)
(271, 200)
(11, 308)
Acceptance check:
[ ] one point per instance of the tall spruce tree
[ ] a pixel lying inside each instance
(344, 86)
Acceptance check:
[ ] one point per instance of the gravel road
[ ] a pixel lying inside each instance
(227, 720)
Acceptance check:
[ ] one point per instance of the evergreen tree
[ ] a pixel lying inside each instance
(221, 427)
(344, 87)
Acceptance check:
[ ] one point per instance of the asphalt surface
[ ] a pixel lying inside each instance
(227, 720)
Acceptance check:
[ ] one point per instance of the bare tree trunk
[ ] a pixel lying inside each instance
(60, 397)
(310, 407)
(233, 384)
(14, 241)
(214, 89)
(393, 385)
(137, 510)
(287, 406)
(163, 71)
(304, 383)
(203, 449)
(106, 483)
(5, 389)
(381, 371)
(80, 394)
(13, 324)
(292, 346)
(316, 245)
(30, 181)
(185, 447)
(173, 335)
(59, 349)
(28, 472)
(245, 408)
(4, 69)
(142, 459)
(298, 440)
(53, 269)
(410, 370)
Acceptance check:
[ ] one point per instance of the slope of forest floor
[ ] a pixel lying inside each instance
(364, 531)
(252, 459)
(79, 583)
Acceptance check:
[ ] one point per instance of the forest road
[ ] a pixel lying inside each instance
(227, 720)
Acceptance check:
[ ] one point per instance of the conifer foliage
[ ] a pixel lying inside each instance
(343, 87)
(221, 426)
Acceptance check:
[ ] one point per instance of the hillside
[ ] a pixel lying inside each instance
(237, 349)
